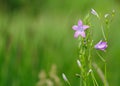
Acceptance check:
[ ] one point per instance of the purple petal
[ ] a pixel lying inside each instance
(75, 27)
(104, 48)
(79, 23)
(85, 27)
(82, 34)
(77, 33)
(101, 45)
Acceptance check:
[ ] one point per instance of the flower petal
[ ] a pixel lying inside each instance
(82, 34)
(80, 23)
(75, 27)
(85, 27)
(101, 45)
(77, 33)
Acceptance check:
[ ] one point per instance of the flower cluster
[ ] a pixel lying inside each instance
(86, 46)
(80, 31)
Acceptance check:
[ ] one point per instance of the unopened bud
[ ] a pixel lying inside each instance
(64, 77)
(79, 63)
(90, 70)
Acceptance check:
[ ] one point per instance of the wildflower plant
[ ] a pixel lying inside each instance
(88, 47)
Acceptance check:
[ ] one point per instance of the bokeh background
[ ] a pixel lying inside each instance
(36, 41)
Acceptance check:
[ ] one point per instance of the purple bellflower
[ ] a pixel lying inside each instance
(101, 45)
(80, 29)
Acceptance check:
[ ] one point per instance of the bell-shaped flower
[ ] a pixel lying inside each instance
(80, 29)
(101, 45)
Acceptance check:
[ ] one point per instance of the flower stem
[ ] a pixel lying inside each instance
(102, 29)
(100, 57)
(94, 79)
(105, 84)
(103, 33)
(85, 83)
(69, 84)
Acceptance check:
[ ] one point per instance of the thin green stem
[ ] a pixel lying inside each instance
(102, 29)
(93, 82)
(105, 83)
(103, 33)
(69, 83)
(82, 59)
(85, 84)
(93, 77)
(100, 57)
(81, 82)
(105, 69)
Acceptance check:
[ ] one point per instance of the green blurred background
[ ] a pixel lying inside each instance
(36, 34)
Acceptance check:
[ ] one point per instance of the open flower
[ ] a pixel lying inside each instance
(101, 45)
(80, 29)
